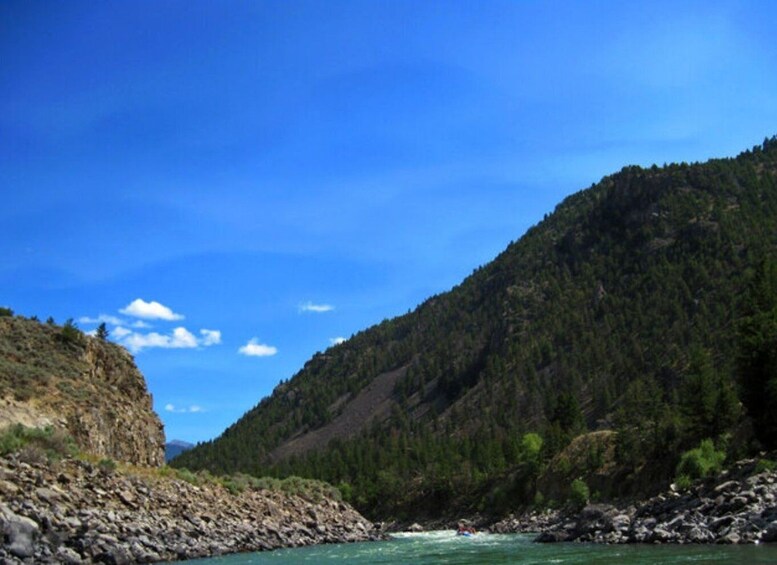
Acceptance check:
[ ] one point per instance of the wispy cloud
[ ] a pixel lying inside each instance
(193, 409)
(255, 349)
(210, 337)
(336, 340)
(113, 321)
(315, 308)
(153, 310)
(180, 338)
(102, 319)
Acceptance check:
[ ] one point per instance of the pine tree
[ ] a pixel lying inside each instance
(758, 354)
(102, 332)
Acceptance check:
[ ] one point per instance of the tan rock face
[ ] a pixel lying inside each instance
(88, 387)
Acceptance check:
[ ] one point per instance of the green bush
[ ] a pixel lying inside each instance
(233, 484)
(186, 475)
(107, 465)
(5, 312)
(166, 471)
(531, 447)
(579, 493)
(266, 483)
(702, 461)
(765, 465)
(683, 482)
(346, 491)
(10, 442)
(70, 334)
(309, 489)
(55, 444)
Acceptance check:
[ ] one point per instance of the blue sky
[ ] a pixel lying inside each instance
(234, 185)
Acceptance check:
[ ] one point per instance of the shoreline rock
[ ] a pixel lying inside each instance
(77, 512)
(740, 507)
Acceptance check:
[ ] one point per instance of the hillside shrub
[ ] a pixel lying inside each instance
(579, 493)
(53, 444)
(309, 489)
(107, 465)
(233, 484)
(266, 483)
(346, 491)
(765, 465)
(700, 462)
(531, 449)
(187, 476)
(70, 334)
(683, 482)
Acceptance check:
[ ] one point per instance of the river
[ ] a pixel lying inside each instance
(482, 549)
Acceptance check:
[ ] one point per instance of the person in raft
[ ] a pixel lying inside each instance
(464, 529)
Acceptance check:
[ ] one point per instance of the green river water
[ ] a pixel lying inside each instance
(445, 547)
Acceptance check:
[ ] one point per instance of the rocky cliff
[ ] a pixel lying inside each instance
(57, 376)
(79, 512)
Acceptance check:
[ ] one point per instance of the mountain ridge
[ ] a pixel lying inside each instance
(619, 285)
(175, 447)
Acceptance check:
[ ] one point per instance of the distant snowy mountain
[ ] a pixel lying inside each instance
(175, 447)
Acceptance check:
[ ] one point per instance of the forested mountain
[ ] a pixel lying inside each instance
(622, 310)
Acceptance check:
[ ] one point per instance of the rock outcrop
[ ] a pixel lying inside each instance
(78, 512)
(85, 386)
(739, 507)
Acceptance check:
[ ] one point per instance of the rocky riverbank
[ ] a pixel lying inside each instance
(79, 512)
(740, 506)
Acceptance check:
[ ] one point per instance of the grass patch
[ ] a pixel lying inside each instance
(53, 444)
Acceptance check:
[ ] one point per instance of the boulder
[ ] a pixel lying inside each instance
(552, 536)
(124, 517)
(769, 535)
(21, 534)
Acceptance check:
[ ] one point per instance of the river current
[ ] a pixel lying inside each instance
(445, 547)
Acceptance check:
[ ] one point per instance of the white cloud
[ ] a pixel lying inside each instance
(180, 338)
(120, 331)
(102, 318)
(316, 308)
(210, 337)
(336, 340)
(183, 338)
(126, 332)
(255, 349)
(136, 341)
(153, 310)
(193, 409)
